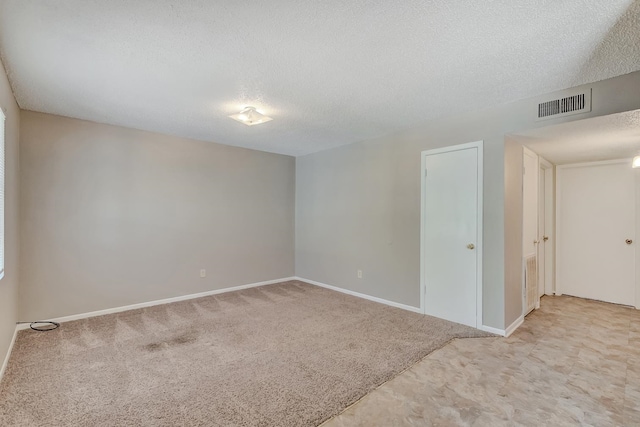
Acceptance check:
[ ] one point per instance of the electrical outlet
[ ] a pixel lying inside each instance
(203, 273)
(359, 274)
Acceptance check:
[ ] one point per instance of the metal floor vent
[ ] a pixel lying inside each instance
(574, 104)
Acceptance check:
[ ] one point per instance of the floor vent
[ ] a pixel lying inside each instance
(574, 104)
(531, 281)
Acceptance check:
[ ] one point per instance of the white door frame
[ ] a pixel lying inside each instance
(479, 244)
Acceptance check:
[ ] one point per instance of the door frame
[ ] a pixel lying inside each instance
(558, 180)
(479, 243)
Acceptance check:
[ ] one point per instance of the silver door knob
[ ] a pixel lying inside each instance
(628, 241)
(471, 246)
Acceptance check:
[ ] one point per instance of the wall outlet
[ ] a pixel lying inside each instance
(359, 274)
(203, 273)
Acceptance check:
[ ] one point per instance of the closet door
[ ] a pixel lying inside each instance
(451, 238)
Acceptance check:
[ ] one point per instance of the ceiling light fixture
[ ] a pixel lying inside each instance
(250, 116)
(636, 162)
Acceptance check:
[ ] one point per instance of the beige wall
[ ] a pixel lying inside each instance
(9, 284)
(114, 216)
(358, 206)
(513, 208)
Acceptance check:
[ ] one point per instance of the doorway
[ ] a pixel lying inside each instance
(589, 185)
(537, 224)
(451, 247)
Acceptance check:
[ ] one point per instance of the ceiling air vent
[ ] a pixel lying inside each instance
(574, 104)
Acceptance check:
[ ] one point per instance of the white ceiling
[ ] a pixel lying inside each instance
(616, 136)
(328, 72)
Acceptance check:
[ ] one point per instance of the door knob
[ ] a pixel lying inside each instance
(628, 241)
(545, 238)
(535, 242)
(471, 246)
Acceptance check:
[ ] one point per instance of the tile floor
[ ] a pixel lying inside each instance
(572, 362)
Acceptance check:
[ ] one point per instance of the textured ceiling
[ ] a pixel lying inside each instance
(328, 72)
(616, 136)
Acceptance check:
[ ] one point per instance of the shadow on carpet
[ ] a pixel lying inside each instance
(290, 354)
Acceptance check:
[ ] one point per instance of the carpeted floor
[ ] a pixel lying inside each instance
(290, 354)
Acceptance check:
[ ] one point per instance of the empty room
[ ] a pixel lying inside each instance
(418, 213)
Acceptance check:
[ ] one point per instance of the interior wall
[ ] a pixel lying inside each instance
(358, 206)
(513, 204)
(114, 216)
(9, 284)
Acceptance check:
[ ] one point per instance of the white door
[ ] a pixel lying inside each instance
(451, 235)
(530, 228)
(541, 233)
(596, 231)
(548, 213)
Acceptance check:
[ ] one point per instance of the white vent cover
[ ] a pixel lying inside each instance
(573, 104)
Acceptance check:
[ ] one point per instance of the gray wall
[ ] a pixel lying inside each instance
(513, 199)
(114, 216)
(9, 284)
(358, 206)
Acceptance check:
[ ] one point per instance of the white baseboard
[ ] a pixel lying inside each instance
(493, 330)
(6, 358)
(504, 332)
(157, 302)
(515, 325)
(359, 295)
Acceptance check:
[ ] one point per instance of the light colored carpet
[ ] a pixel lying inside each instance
(290, 354)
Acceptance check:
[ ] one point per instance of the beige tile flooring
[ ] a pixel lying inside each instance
(572, 362)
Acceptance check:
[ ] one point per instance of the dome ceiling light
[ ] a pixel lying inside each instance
(250, 116)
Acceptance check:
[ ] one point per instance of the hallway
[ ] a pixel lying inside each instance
(572, 362)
